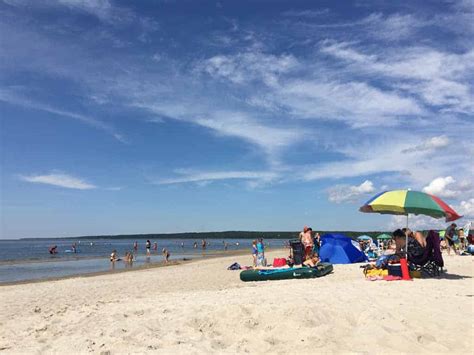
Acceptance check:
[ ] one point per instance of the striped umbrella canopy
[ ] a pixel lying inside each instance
(384, 236)
(405, 202)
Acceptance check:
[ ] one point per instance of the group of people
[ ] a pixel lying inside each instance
(130, 256)
(258, 253)
(311, 243)
(455, 238)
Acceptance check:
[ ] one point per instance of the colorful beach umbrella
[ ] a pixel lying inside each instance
(364, 237)
(384, 236)
(405, 202)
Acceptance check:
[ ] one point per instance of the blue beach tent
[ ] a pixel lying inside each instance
(340, 249)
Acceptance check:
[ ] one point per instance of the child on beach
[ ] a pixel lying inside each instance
(166, 254)
(254, 252)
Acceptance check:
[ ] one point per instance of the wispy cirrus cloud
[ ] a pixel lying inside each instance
(12, 98)
(189, 176)
(59, 180)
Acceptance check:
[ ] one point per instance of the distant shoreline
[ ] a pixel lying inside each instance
(208, 235)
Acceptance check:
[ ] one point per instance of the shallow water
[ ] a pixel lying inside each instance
(24, 260)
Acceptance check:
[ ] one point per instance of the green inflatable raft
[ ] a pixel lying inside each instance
(287, 273)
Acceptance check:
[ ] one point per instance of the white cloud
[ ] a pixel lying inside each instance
(466, 208)
(356, 103)
(419, 222)
(441, 187)
(438, 78)
(61, 180)
(206, 177)
(347, 193)
(244, 67)
(430, 144)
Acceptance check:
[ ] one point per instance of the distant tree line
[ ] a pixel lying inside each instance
(223, 235)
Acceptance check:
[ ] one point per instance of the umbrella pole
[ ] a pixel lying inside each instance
(406, 241)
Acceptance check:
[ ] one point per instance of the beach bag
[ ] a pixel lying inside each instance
(277, 262)
(234, 266)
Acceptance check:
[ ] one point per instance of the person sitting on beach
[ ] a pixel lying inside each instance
(312, 260)
(416, 242)
(166, 254)
(53, 249)
(113, 256)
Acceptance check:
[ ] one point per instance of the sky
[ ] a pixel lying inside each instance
(125, 117)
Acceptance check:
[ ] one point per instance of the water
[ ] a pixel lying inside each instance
(25, 260)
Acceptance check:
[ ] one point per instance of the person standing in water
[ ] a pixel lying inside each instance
(53, 250)
(155, 246)
(135, 246)
(166, 254)
(148, 246)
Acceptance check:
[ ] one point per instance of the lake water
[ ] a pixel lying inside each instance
(24, 260)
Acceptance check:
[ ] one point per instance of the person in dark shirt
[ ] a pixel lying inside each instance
(451, 237)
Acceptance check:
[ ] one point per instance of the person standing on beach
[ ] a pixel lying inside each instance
(148, 246)
(451, 237)
(254, 252)
(317, 243)
(260, 253)
(308, 243)
(301, 235)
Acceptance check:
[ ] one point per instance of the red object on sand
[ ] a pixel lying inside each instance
(404, 267)
(279, 262)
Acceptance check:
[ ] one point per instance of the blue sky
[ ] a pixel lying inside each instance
(171, 116)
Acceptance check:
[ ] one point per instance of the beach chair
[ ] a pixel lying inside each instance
(431, 262)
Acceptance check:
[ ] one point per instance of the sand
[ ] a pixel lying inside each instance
(201, 307)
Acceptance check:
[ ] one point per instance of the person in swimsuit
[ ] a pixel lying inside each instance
(308, 243)
(166, 254)
(113, 256)
(135, 246)
(155, 246)
(254, 252)
(148, 246)
(53, 250)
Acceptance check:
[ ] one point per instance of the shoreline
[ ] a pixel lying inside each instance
(154, 265)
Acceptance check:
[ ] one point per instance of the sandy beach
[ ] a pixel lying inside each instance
(200, 307)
